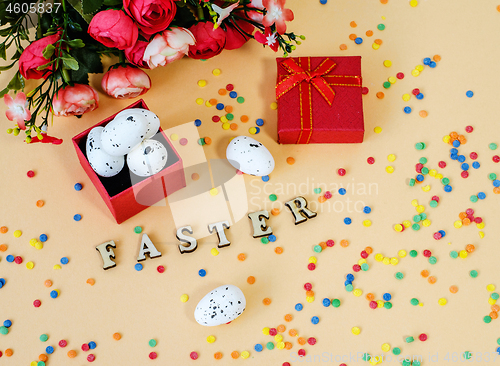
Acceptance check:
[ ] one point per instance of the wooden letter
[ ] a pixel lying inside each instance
(193, 244)
(298, 207)
(106, 252)
(259, 225)
(219, 227)
(147, 247)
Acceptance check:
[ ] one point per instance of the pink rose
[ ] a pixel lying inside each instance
(209, 41)
(168, 47)
(152, 15)
(75, 100)
(32, 57)
(125, 82)
(114, 29)
(234, 39)
(276, 14)
(135, 54)
(18, 109)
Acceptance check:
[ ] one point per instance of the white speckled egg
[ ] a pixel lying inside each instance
(123, 134)
(250, 156)
(152, 120)
(220, 306)
(148, 158)
(103, 164)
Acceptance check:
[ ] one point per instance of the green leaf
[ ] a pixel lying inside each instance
(70, 63)
(5, 32)
(7, 67)
(113, 2)
(48, 51)
(17, 82)
(91, 6)
(45, 66)
(77, 5)
(2, 51)
(90, 63)
(76, 43)
(3, 92)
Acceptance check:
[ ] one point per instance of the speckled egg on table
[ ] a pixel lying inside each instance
(220, 306)
(123, 134)
(250, 156)
(148, 158)
(153, 122)
(101, 162)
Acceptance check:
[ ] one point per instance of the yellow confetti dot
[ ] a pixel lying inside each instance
(442, 301)
(33, 242)
(216, 72)
(208, 104)
(379, 257)
(226, 126)
(406, 97)
(367, 223)
(214, 192)
(377, 129)
(30, 265)
(414, 203)
(432, 172)
(458, 224)
(280, 345)
(375, 46)
(480, 225)
(274, 105)
(415, 72)
(463, 254)
(380, 304)
(386, 261)
(447, 139)
(211, 338)
(246, 354)
(421, 304)
(265, 331)
(17, 233)
(439, 176)
(310, 298)
(426, 222)
(313, 260)
(389, 169)
(413, 3)
(387, 63)
(419, 68)
(214, 252)
(386, 347)
(202, 83)
(407, 223)
(392, 79)
(39, 245)
(357, 292)
(174, 137)
(356, 330)
(57, 266)
(426, 188)
(361, 261)
(394, 261)
(184, 298)
(490, 287)
(199, 101)
(252, 130)
(420, 208)
(391, 157)
(481, 234)
(33, 363)
(402, 253)
(224, 119)
(492, 301)
(278, 337)
(398, 228)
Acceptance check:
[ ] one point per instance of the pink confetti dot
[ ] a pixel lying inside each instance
(193, 355)
(311, 341)
(63, 343)
(183, 141)
(91, 358)
(328, 195)
(330, 243)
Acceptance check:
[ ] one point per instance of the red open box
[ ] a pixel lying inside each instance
(127, 194)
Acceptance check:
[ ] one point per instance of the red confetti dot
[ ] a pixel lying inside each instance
(442, 164)
(469, 211)
(342, 364)
(370, 160)
(365, 90)
(308, 286)
(422, 337)
(91, 358)
(311, 266)
(341, 172)
(18, 260)
(469, 129)
(286, 364)
(400, 75)
(37, 303)
(402, 227)
(473, 155)
(328, 195)
(435, 198)
(478, 220)
(415, 91)
(273, 332)
(311, 341)
(364, 254)
(419, 167)
(193, 355)
(153, 355)
(216, 118)
(464, 174)
(330, 243)
(160, 269)
(229, 87)
(63, 343)
(373, 304)
(85, 347)
(437, 236)
(301, 352)
(427, 253)
(356, 268)
(30, 174)
(496, 158)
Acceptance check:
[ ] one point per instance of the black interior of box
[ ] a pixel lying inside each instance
(123, 180)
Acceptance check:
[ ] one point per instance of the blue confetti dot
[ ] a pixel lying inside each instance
(454, 157)
(7, 323)
(233, 94)
(64, 260)
(498, 350)
(419, 96)
(323, 2)
(53, 294)
(387, 296)
(481, 195)
(358, 40)
(461, 158)
(469, 93)
(259, 122)
(258, 347)
(78, 187)
(2, 282)
(138, 267)
(350, 277)
(10, 258)
(407, 110)
(442, 232)
(326, 302)
(49, 350)
(299, 307)
(367, 209)
(427, 61)
(420, 177)
(202, 273)
(265, 178)
(77, 217)
(476, 165)
(347, 282)
(315, 320)
(272, 238)
(197, 123)
(257, 130)
(347, 221)
(342, 191)
(432, 64)
(456, 143)
(496, 183)
(465, 166)
(219, 106)
(448, 188)
(454, 151)
(92, 345)
(43, 238)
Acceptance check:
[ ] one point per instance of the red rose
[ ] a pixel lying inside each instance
(114, 29)
(135, 54)
(209, 41)
(125, 82)
(234, 39)
(32, 57)
(152, 15)
(75, 100)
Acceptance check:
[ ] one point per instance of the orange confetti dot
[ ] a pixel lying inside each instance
(462, 139)
(424, 273)
(453, 135)
(369, 33)
(228, 109)
(370, 297)
(378, 41)
(322, 245)
(244, 118)
(8, 352)
(344, 243)
(275, 211)
(195, 176)
(281, 328)
(213, 101)
(207, 140)
(453, 289)
(470, 248)
(278, 250)
(423, 114)
(222, 91)
(353, 24)
(3, 247)
(432, 280)
(288, 345)
(47, 283)
(493, 315)
(369, 250)
(496, 190)
(266, 301)
(462, 215)
(321, 199)
(310, 293)
(380, 95)
(288, 317)
(466, 221)
(91, 281)
(290, 160)
(235, 354)
(3, 229)
(233, 126)
(352, 37)
(343, 47)
(301, 341)
(217, 355)
(42, 357)
(495, 308)
(117, 336)
(242, 257)
(384, 1)
(251, 280)
(72, 353)
(40, 203)
(437, 58)
(292, 332)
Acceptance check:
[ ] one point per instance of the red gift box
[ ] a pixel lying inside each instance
(126, 194)
(319, 100)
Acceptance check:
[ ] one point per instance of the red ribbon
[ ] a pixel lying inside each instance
(322, 82)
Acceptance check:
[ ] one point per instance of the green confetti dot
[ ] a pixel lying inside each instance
(137, 229)
(495, 296)
(413, 253)
(445, 181)
(454, 254)
(317, 190)
(335, 303)
(240, 100)
(498, 341)
(492, 176)
(425, 170)
(273, 197)
(487, 319)
(4, 330)
(473, 198)
(387, 305)
(493, 146)
(416, 218)
(349, 288)
(201, 141)
(399, 275)
(412, 182)
(415, 227)
(433, 260)
(473, 273)
(40, 363)
(423, 216)
(365, 267)
(230, 116)
(318, 249)
(381, 27)
(270, 345)
(396, 351)
(433, 204)
(152, 343)
(415, 363)
(44, 337)
(366, 357)
(423, 160)
(467, 355)
(264, 240)
(414, 302)
(386, 85)
(406, 362)
(419, 146)
(409, 339)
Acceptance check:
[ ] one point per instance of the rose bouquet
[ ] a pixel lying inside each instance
(71, 37)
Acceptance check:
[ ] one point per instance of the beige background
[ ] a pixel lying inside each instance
(145, 305)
